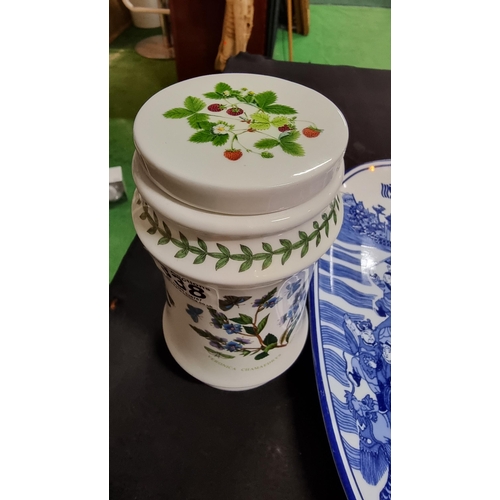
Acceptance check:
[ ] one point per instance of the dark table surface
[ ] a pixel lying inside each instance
(171, 436)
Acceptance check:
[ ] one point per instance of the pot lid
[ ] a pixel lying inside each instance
(239, 143)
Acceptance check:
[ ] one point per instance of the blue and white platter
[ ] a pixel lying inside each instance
(350, 304)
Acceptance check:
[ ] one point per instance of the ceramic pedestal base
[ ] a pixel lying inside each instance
(222, 375)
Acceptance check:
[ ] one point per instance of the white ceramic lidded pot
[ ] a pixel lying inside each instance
(237, 181)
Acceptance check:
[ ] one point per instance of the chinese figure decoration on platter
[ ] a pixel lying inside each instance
(237, 181)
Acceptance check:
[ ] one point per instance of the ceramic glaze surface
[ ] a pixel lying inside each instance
(237, 197)
(351, 334)
(240, 143)
(234, 338)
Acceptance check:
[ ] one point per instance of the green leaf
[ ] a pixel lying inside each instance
(220, 140)
(290, 136)
(260, 121)
(200, 259)
(196, 250)
(271, 346)
(315, 224)
(185, 241)
(202, 244)
(286, 243)
(224, 250)
(202, 136)
(335, 217)
(302, 235)
(238, 256)
(318, 239)
(247, 99)
(221, 263)
(207, 125)
(182, 253)
(270, 339)
(196, 120)
(262, 324)
(269, 295)
(267, 247)
(313, 235)
(194, 104)
(266, 154)
(327, 228)
(143, 216)
(242, 320)
(261, 355)
(265, 98)
(267, 262)
(152, 230)
(279, 121)
(249, 330)
(212, 95)
(221, 87)
(279, 109)
(178, 243)
(245, 266)
(202, 333)
(260, 256)
(266, 144)
(177, 113)
(305, 249)
(292, 148)
(218, 353)
(246, 250)
(163, 241)
(286, 255)
(167, 230)
(215, 255)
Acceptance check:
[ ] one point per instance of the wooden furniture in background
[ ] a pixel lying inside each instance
(197, 26)
(119, 19)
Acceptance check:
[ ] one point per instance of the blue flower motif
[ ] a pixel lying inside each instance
(233, 346)
(272, 302)
(243, 341)
(231, 328)
(257, 303)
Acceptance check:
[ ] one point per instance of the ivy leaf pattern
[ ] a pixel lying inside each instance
(247, 257)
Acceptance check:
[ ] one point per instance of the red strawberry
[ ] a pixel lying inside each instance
(233, 154)
(311, 131)
(234, 111)
(216, 107)
(284, 128)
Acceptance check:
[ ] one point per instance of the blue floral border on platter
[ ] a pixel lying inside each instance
(326, 402)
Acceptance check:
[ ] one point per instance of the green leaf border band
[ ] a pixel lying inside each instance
(247, 256)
